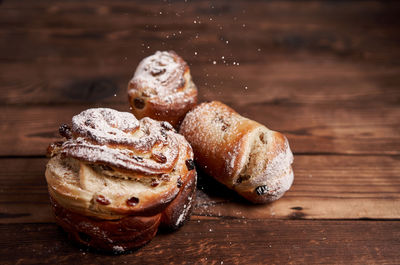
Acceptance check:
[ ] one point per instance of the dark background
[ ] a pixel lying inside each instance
(325, 73)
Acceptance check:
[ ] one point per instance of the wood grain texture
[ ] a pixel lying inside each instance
(325, 73)
(320, 53)
(325, 187)
(219, 241)
(305, 52)
(322, 128)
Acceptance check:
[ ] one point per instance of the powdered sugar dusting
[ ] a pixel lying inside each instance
(246, 159)
(129, 146)
(118, 249)
(186, 209)
(160, 74)
(267, 174)
(85, 174)
(278, 171)
(233, 156)
(104, 125)
(209, 125)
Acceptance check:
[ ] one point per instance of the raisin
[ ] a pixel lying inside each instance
(90, 123)
(165, 177)
(53, 149)
(262, 139)
(139, 103)
(107, 168)
(167, 125)
(137, 158)
(65, 131)
(132, 201)
(85, 237)
(225, 125)
(102, 200)
(261, 190)
(154, 183)
(179, 182)
(182, 83)
(242, 178)
(189, 164)
(160, 158)
(163, 133)
(157, 71)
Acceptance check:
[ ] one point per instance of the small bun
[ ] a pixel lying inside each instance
(162, 88)
(116, 179)
(240, 153)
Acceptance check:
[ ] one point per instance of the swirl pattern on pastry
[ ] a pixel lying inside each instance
(162, 88)
(120, 141)
(160, 74)
(115, 172)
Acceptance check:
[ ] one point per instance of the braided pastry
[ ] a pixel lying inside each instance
(162, 88)
(115, 179)
(240, 153)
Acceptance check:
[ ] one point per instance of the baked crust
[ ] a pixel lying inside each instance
(240, 153)
(115, 236)
(128, 232)
(99, 187)
(162, 88)
(180, 209)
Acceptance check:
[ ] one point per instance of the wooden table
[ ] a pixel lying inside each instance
(326, 74)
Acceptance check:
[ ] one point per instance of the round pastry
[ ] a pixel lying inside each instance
(240, 153)
(162, 88)
(114, 179)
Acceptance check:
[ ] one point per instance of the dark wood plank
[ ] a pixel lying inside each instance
(80, 52)
(325, 187)
(304, 81)
(23, 192)
(219, 241)
(325, 75)
(310, 128)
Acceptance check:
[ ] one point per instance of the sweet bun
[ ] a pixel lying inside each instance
(240, 153)
(162, 88)
(115, 179)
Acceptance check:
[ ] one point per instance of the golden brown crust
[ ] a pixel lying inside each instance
(215, 135)
(162, 88)
(240, 153)
(129, 232)
(95, 196)
(279, 175)
(115, 236)
(101, 155)
(180, 209)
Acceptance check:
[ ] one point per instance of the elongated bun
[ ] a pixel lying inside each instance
(240, 153)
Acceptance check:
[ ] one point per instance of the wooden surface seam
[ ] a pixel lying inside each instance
(324, 73)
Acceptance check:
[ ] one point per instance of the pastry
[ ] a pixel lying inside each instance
(115, 179)
(162, 88)
(240, 153)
